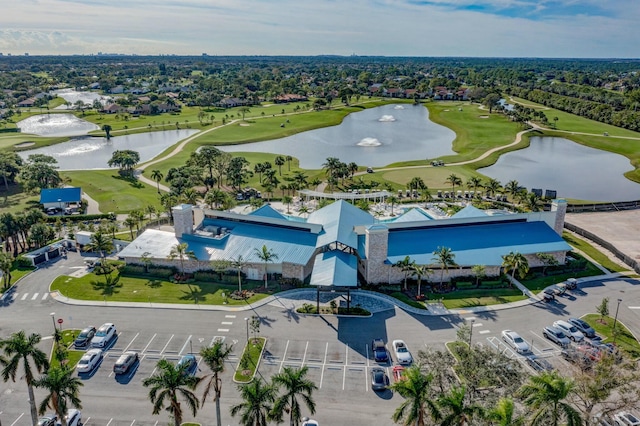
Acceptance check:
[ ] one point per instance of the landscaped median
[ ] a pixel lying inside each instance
(624, 340)
(250, 360)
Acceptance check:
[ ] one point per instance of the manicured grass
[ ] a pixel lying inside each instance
(252, 351)
(409, 301)
(16, 200)
(112, 192)
(16, 274)
(9, 140)
(470, 298)
(538, 284)
(592, 252)
(455, 348)
(625, 340)
(148, 290)
(73, 356)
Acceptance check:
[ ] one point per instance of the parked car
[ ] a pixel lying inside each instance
(583, 326)
(379, 349)
(89, 361)
(125, 362)
(306, 421)
(625, 418)
(103, 335)
(538, 364)
(74, 417)
(602, 420)
(84, 338)
(403, 356)
(48, 420)
(571, 283)
(569, 330)
(188, 362)
(558, 289)
(577, 358)
(548, 295)
(379, 379)
(514, 340)
(556, 335)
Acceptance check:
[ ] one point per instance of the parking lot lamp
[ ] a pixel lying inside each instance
(246, 321)
(53, 319)
(615, 321)
(471, 332)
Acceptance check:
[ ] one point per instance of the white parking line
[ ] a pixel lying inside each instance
(110, 420)
(86, 422)
(223, 330)
(44, 296)
(366, 347)
(484, 331)
(145, 348)
(227, 323)
(35, 296)
(185, 345)
(165, 346)
(542, 339)
(19, 417)
(305, 352)
(24, 296)
(346, 360)
(324, 362)
(477, 324)
(132, 423)
(284, 356)
(131, 342)
(229, 316)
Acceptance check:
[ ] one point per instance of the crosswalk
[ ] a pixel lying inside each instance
(26, 296)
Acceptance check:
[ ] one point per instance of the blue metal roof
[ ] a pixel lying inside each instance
(469, 211)
(413, 215)
(335, 268)
(474, 244)
(267, 211)
(62, 195)
(337, 220)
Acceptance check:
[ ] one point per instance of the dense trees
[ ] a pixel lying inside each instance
(126, 160)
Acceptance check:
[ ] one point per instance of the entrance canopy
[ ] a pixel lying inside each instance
(335, 269)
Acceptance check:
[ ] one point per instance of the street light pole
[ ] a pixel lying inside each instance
(246, 321)
(471, 332)
(53, 320)
(615, 321)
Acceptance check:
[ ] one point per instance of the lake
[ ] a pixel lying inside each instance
(57, 124)
(373, 137)
(93, 153)
(573, 170)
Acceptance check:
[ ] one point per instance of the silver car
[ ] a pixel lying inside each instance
(556, 335)
(514, 340)
(570, 330)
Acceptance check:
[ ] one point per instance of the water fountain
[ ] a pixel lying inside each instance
(369, 142)
(387, 118)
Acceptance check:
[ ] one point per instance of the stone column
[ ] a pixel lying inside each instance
(376, 248)
(182, 219)
(560, 207)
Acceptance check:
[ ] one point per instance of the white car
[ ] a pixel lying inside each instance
(403, 356)
(306, 421)
(624, 418)
(89, 361)
(569, 330)
(514, 340)
(74, 417)
(104, 335)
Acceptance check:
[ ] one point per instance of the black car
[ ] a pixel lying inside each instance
(582, 326)
(548, 295)
(379, 379)
(538, 364)
(379, 349)
(84, 338)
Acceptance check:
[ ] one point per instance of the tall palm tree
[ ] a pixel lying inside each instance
(289, 160)
(392, 199)
(474, 182)
(238, 264)
(258, 399)
(420, 271)
(279, 161)
(458, 411)
(512, 187)
(182, 253)
(415, 388)
(516, 263)
(169, 382)
(157, 176)
(102, 243)
(504, 414)
(19, 348)
(492, 186)
(266, 255)
(445, 258)
(295, 385)
(406, 266)
(6, 263)
(62, 388)
(546, 395)
(533, 202)
(454, 180)
(214, 357)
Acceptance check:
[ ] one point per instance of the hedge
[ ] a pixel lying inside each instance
(79, 217)
(154, 271)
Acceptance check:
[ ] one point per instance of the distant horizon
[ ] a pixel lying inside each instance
(395, 28)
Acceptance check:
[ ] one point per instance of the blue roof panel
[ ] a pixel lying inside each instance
(468, 212)
(338, 220)
(267, 211)
(474, 244)
(335, 268)
(413, 215)
(62, 195)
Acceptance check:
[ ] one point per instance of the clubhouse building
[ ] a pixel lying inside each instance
(341, 245)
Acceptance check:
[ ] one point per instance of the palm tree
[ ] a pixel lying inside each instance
(515, 262)
(503, 414)
(238, 264)
(454, 180)
(289, 160)
(416, 390)
(392, 200)
(406, 266)
(533, 202)
(295, 385)
(512, 187)
(181, 252)
(18, 348)
(546, 395)
(492, 186)
(214, 357)
(266, 255)
(445, 258)
(157, 176)
(287, 200)
(101, 243)
(474, 182)
(459, 413)
(62, 388)
(6, 263)
(257, 397)
(107, 130)
(279, 161)
(169, 382)
(420, 271)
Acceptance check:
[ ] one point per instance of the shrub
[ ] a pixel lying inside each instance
(133, 270)
(161, 272)
(23, 262)
(307, 308)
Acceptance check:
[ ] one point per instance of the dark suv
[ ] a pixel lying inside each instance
(379, 349)
(84, 338)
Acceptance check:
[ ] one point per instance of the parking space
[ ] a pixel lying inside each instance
(358, 354)
(355, 379)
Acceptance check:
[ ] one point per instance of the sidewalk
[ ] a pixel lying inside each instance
(292, 299)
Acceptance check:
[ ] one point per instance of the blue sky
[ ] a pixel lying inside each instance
(529, 28)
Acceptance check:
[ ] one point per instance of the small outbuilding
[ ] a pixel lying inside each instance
(60, 198)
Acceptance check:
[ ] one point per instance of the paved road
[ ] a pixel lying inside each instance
(336, 350)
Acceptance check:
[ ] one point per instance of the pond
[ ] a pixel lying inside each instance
(373, 137)
(56, 125)
(93, 153)
(73, 96)
(573, 170)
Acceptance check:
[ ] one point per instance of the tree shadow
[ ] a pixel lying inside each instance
(110, 286)
(197, 294)
(131, 180)
(154, 283)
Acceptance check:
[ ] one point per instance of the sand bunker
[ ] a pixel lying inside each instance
(24, 144)
(483, 116)
(245, 124)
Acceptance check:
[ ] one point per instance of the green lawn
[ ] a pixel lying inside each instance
(592, 252)
(16, 274)
(539, 283)
(148, 290)
(625, 340)
(471, 298)
(409, 301)
(73, 356)
(252, 352)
